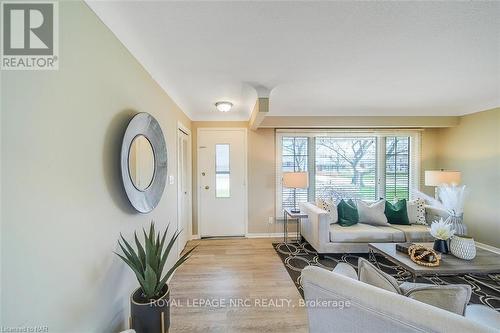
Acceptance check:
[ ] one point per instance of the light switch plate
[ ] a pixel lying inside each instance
(171, 180)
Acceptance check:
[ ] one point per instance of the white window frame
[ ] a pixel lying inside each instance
(415, 156)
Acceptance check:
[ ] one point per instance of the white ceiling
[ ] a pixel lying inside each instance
(319, 58)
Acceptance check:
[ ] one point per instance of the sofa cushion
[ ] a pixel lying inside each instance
(415, 232)
(364, 233)
(345, 269)
(397, 213)
(372, 213)
(348, 213)
(416, 211)
(451, 297)
(330, 207)
(370, 274)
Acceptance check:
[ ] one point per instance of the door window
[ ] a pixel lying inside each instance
(222, 171)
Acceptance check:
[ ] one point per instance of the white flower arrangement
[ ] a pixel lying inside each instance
(442, 230)
(451, 198)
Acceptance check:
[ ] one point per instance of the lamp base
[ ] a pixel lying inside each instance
(295, 211)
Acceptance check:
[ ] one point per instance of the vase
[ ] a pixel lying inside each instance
(457, 223)
(441, 245)
(463, 247)
(152, 316)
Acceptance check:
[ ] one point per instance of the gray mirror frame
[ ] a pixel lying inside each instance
(145, 124)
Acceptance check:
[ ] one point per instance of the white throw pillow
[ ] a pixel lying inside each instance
(373, 214)
(370, 274)
(330, 207)
(416, 211)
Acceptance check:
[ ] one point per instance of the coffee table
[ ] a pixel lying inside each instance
(485, 261)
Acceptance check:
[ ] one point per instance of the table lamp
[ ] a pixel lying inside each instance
(295, 180)
(440, 177)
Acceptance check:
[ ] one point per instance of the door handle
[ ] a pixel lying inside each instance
(206, 187)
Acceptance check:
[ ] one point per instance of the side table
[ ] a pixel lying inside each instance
(288, 214)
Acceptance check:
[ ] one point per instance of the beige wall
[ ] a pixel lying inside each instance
(473, 147)
(429, 151)
(63, 203)
(261, 181)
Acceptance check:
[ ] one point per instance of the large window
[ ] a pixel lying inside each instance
(346, 167)
(360, 165)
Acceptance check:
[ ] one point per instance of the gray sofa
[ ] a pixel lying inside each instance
(355, 306)
(325, 237)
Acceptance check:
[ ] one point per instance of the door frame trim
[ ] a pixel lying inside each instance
(182, 128)
(198, 190)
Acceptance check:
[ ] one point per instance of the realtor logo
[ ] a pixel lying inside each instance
(29, 36)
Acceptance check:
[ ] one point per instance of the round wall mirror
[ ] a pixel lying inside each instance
(141, 162)
(144, 162)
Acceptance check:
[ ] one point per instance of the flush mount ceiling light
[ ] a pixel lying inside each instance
(223, 106)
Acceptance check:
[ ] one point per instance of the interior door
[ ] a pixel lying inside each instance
(184, 189)
(222, 190)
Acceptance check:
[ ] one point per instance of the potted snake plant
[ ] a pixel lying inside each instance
(149, 304)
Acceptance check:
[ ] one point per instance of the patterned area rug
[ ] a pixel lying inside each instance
(485, 288)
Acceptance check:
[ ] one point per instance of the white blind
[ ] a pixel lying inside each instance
(397, 168)
(346, 167)
(294, 158)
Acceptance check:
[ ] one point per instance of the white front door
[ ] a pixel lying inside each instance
(222, 173)
(183, 188)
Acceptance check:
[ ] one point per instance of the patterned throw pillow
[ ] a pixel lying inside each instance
(330, 207)
(321, 203)
(416, 211)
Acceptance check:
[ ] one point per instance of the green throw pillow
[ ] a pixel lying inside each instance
(348, 213)
(397, 213)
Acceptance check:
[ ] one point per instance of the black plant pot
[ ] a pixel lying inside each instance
(150, 317)
(441, 246)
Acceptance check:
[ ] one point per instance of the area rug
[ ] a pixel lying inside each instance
(295, 256)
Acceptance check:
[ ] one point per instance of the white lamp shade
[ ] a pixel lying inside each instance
(440, 177)
(296, 179)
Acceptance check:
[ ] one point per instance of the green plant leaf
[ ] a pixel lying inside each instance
(152, 231)
(167, 251)
(162, 242)
(131, 256)
(157, 252)
(135, 258)
(151, 256)
(150, 282)
(140, 249)
(137, 273)
(160, 251)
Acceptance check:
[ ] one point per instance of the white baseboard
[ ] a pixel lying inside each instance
(265, 235)
(195, 237)
(488, 247)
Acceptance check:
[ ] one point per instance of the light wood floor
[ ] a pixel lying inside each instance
(232, 269)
